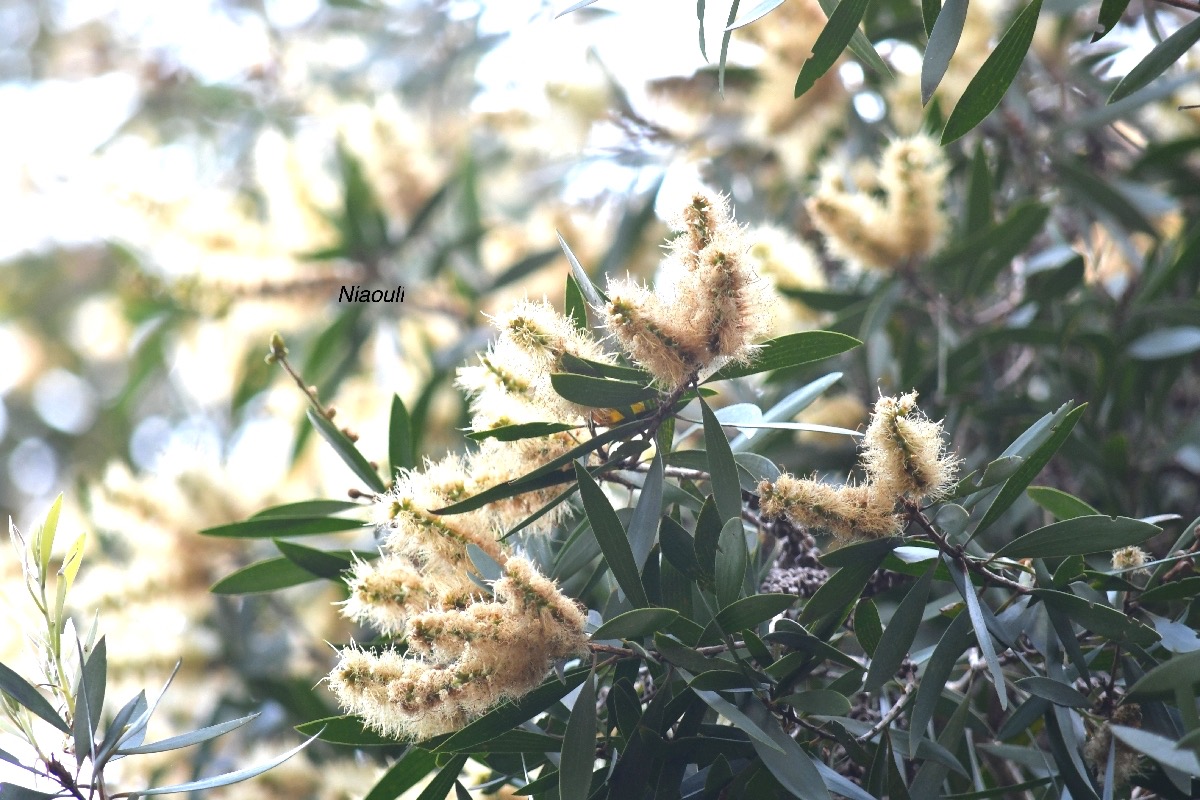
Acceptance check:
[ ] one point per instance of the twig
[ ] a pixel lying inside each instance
(914, 514)
(278, 355)
(1186, 5)
(889, 717)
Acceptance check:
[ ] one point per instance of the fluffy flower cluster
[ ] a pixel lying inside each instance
(466, 659)
(468, 650)
(903, 456)
(906, 223)
(707, 308)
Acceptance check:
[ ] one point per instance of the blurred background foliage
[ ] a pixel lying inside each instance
(181, 180)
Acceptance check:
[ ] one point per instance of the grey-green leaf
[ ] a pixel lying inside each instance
(987, 88)
(899, 634)
(20, 690)
(727, 489)
(594, 296)
(643, 526)
(834, 37)
(943, 41)
(579, 744)
(1166, 53)
(1062, 505)
(228, 778)
(982, 635)
(400, 437)
(611, 537)
(348, 453)
(734, 559)
(1079, 536)
(636, 623)
(1055, 691)
(1166, 343)
(190, 738)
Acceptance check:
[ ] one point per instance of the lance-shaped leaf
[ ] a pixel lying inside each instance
(1029, 469)
(574, 306)
(278, 573)
(226, 779)
(306, 509)
(600, 392)
(986, 89)
(1062, 505)
(1056, 692)
(406, 773)
(579, 744)
(735, 715)
(943, 41)
(636, 623)
(834, 37)
(899, 634)
(527, 430)
(1111, 12)
(643, 525)
(400, 437)
(345, 729)
(727, 488)
(788, 407)
(594, 296)
(611, 537)
(861, 46)
(786, 760)
(755, 12)
(20, 690)
(1079, 536)
(1166, 53)
(89, 699)
(190, 738)
(787, 351)
(982, 635)
(732, 563)
(269, 527)
(439, 787)
(725, 39)
(346, 451)
(949, 649)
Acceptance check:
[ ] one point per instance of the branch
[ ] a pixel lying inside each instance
(914, 514)
(889, 717)
(1186, 5)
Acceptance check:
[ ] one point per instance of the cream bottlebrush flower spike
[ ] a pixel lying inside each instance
(708, 307)
(466, 660)
(908, 223)
(903, 456)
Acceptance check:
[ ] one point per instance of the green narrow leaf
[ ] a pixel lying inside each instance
(591, 293)
(735, 715)
(785, 759)
(508, 715)
(322, 563)
(700, 19)
(1111, 12)
(725, 38)
(574, 304)
(89, 699)
(19, 689)
(347, 729)
(600, 392)
(1079, 536)
(347, 451)
(579, 745)
(1029, 469)
(306, 509)
(750, 611)
(861, 46)
(264, 576)
(228, 778)
(949, 649)
(943, 41)
(867, 626)
(788, 351)
(1055, 691)
(1061, 505)
(846, 585)
(1160, 748)
(12, 791)
(636, 623)
(527, 430)
(834, 37)
(644, 524)
(929, 14)
(611, 537)
(270, 527)
(982, 636)
(899, 634)
(727, 489)
(825, 702)
(986, 89)
(1092, 189)
(1166, 53)
(708, 535)
(400, 438)
(443, 782)
(190, 738)
(731, 565)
